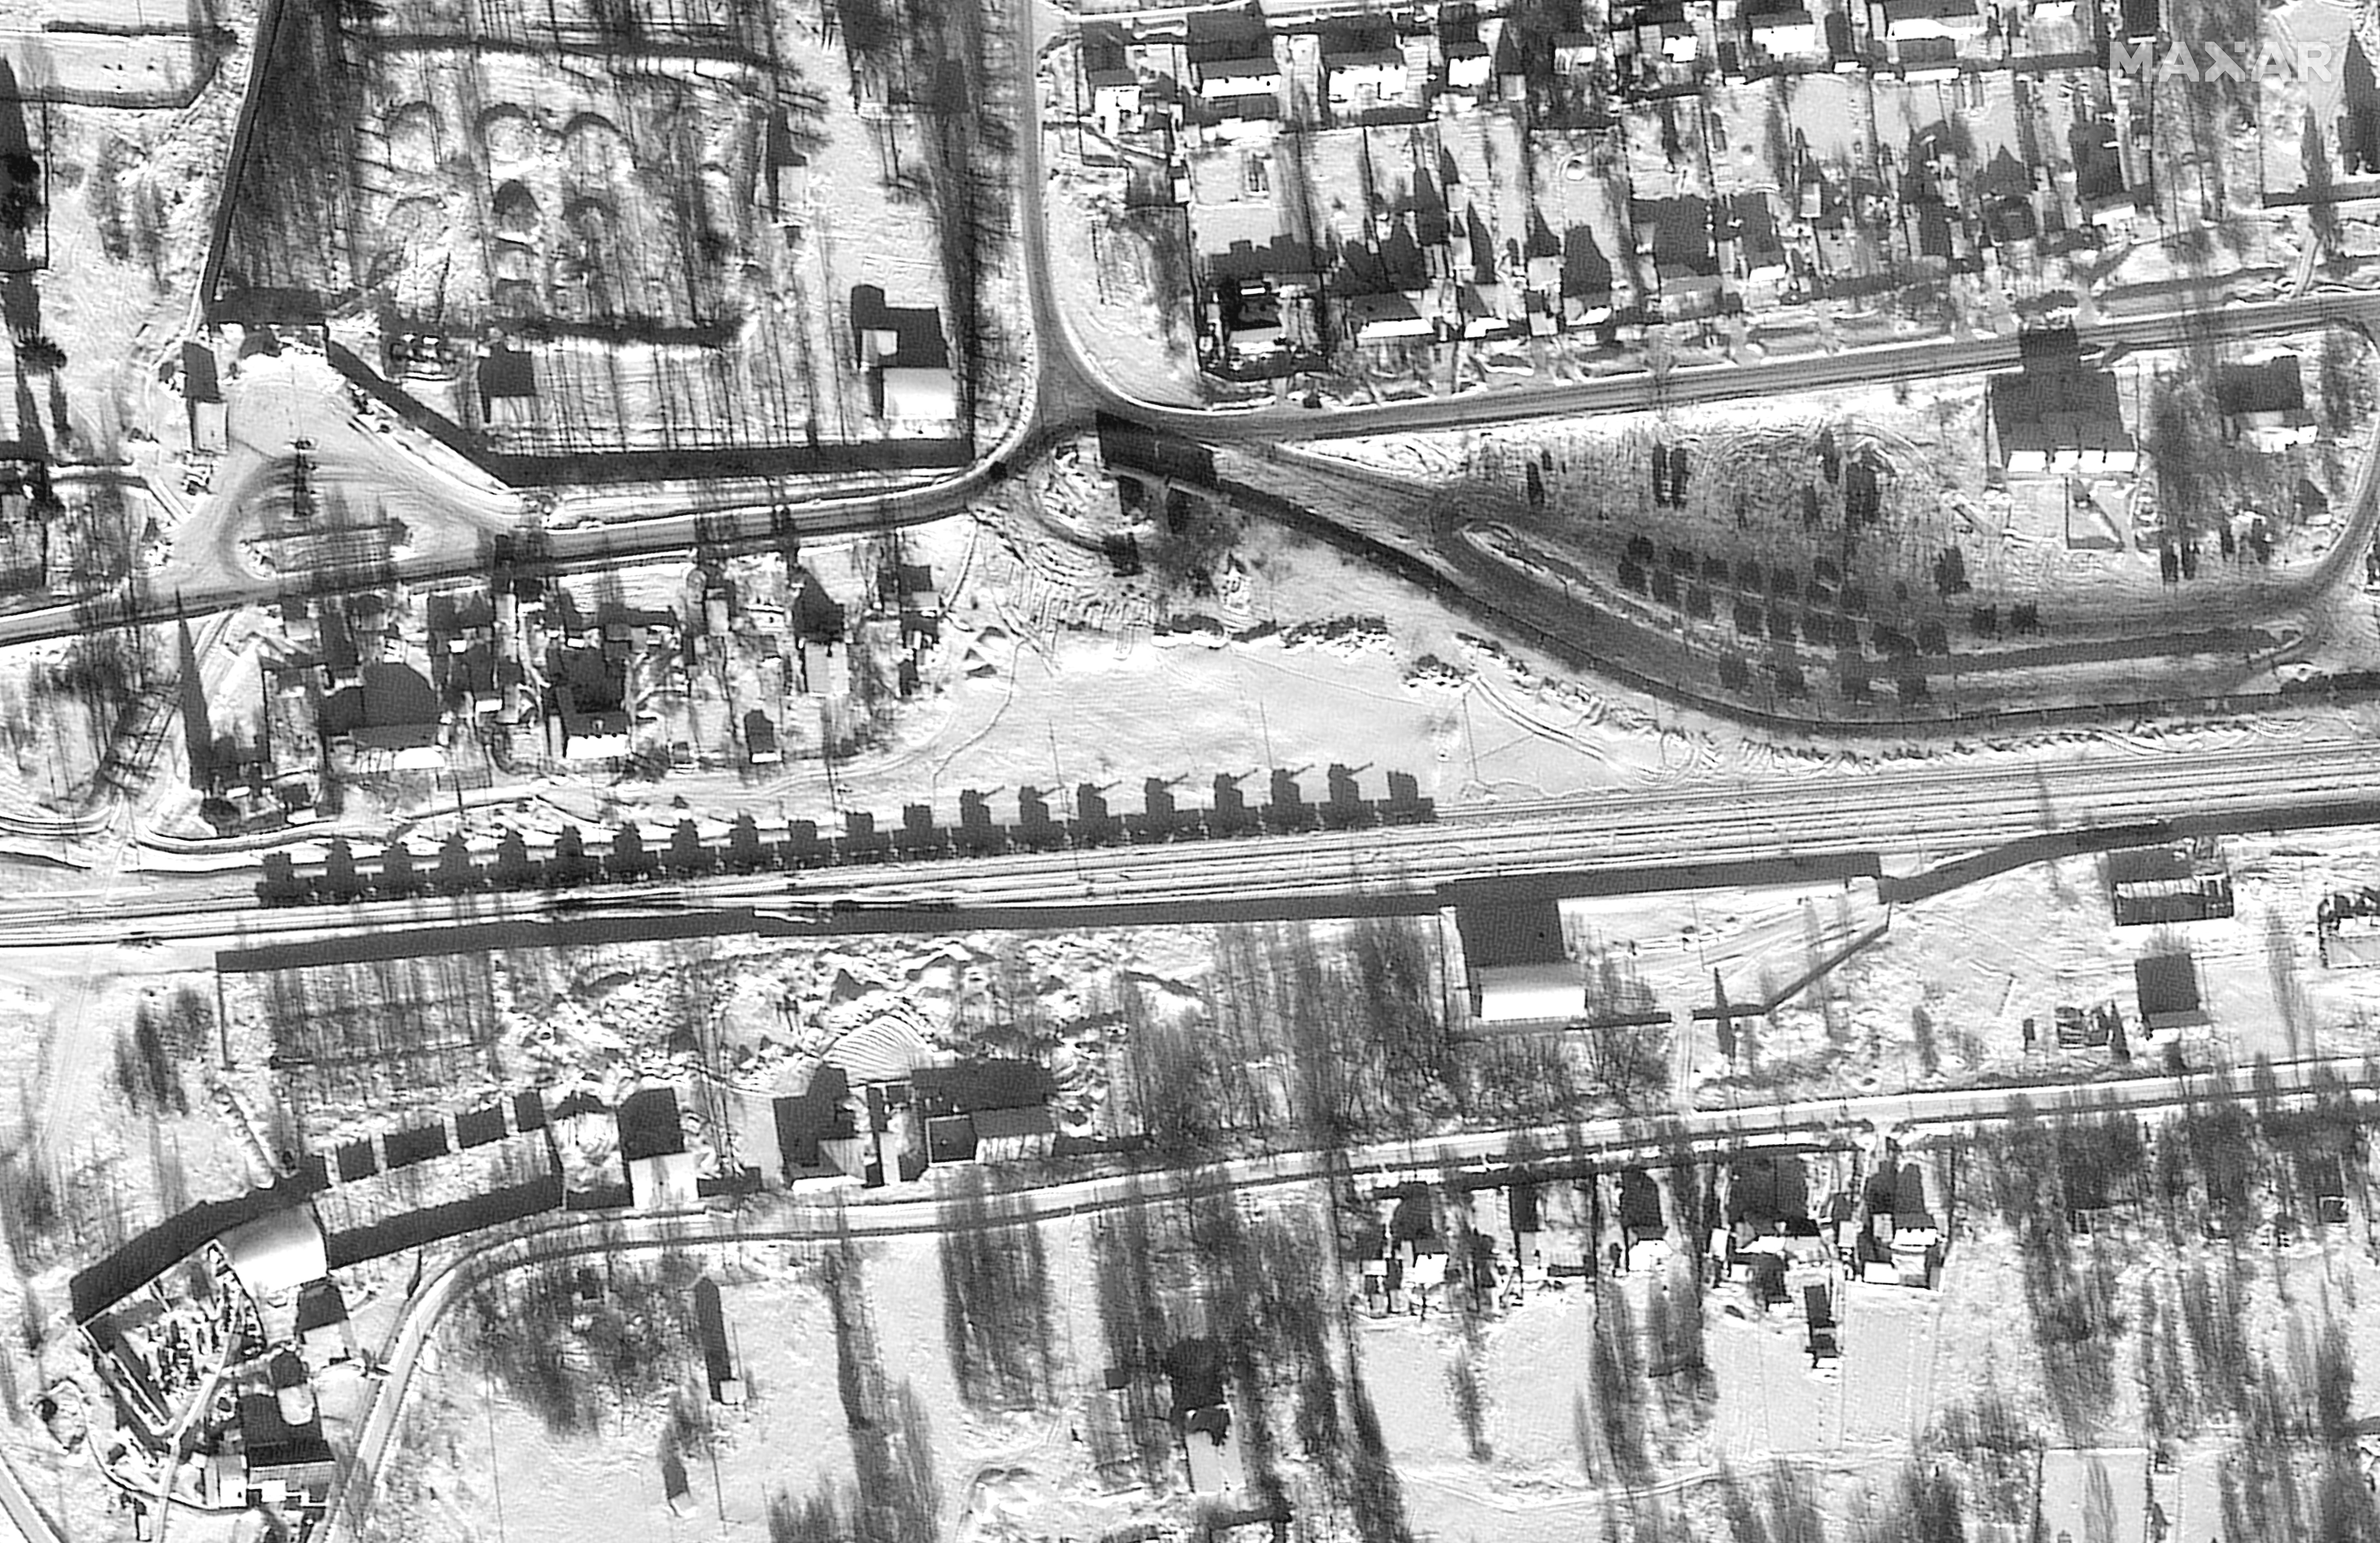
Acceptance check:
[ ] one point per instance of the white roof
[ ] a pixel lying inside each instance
(276, 1254)
(920, 394)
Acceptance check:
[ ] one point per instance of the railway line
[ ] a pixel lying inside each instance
(1907, 817)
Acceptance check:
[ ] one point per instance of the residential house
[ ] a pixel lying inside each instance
(2056, 417)
(652, 1146)
(1362, 71)
(817, 1130)
(507, 387)
(1676, 233)
(901, 349)
(1783, 30)
(992, 1110)
(2263, 402)
(1901, 23)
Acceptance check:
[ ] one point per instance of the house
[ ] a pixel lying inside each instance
(2263, 402)
(1362, 71)
(1818, 1311)
(325, 1338)
(2166, 987)
(1393, 316)
(1665, 35)
(652, 1146)
(1115, 96)
(202, 397)
(507, 387)
(901, 349)
(1518, 962)
(2140, 20)
(1759, 250)
(283, 1462)
(1467, 65)
(1256, 73)
(817, 1129)
(2099, 186)
(1900, 22)
(992, 1110)
(1783, 30)
(789, 171)
(2056, 417)
(1676, 233)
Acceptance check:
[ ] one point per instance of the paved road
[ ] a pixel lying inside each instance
(1609, 1140)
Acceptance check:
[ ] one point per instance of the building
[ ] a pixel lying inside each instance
(1901, 22)
(817, 1130)
(1248, 74)
(2152, 885)
(1676, 233)
(1392, 316)
(2263, 402)
(652, 1146)
(2056, 417)
(1518, 963)
(1363, 72)
(789, 171)
(1783, 30)
(2166, 984)
(991, 1110)
(507, 387)
(391, 711)
(902, 350)
(325, 1338)
(276, 1254)
(202, 397)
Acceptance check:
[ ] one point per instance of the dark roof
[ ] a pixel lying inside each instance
(818, 617)
(1756, 224)
(270, 1442)
(320, 1305)
(1527, 932)
(505, 372)
(968, 1086)
(991, 1125)
(2274, 385)
(1195, 1368)
(2148, 865)
(2166, 983)
(393, 699)
(199, 381)
(1521, 1206)
(1682, 232)
(649, 1125)
(949, 1138)
(2057, 404)
(917, 329)
(2098, 168)
(818, 1113)
(711, 1328)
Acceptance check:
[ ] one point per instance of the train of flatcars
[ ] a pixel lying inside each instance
(632, 857)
